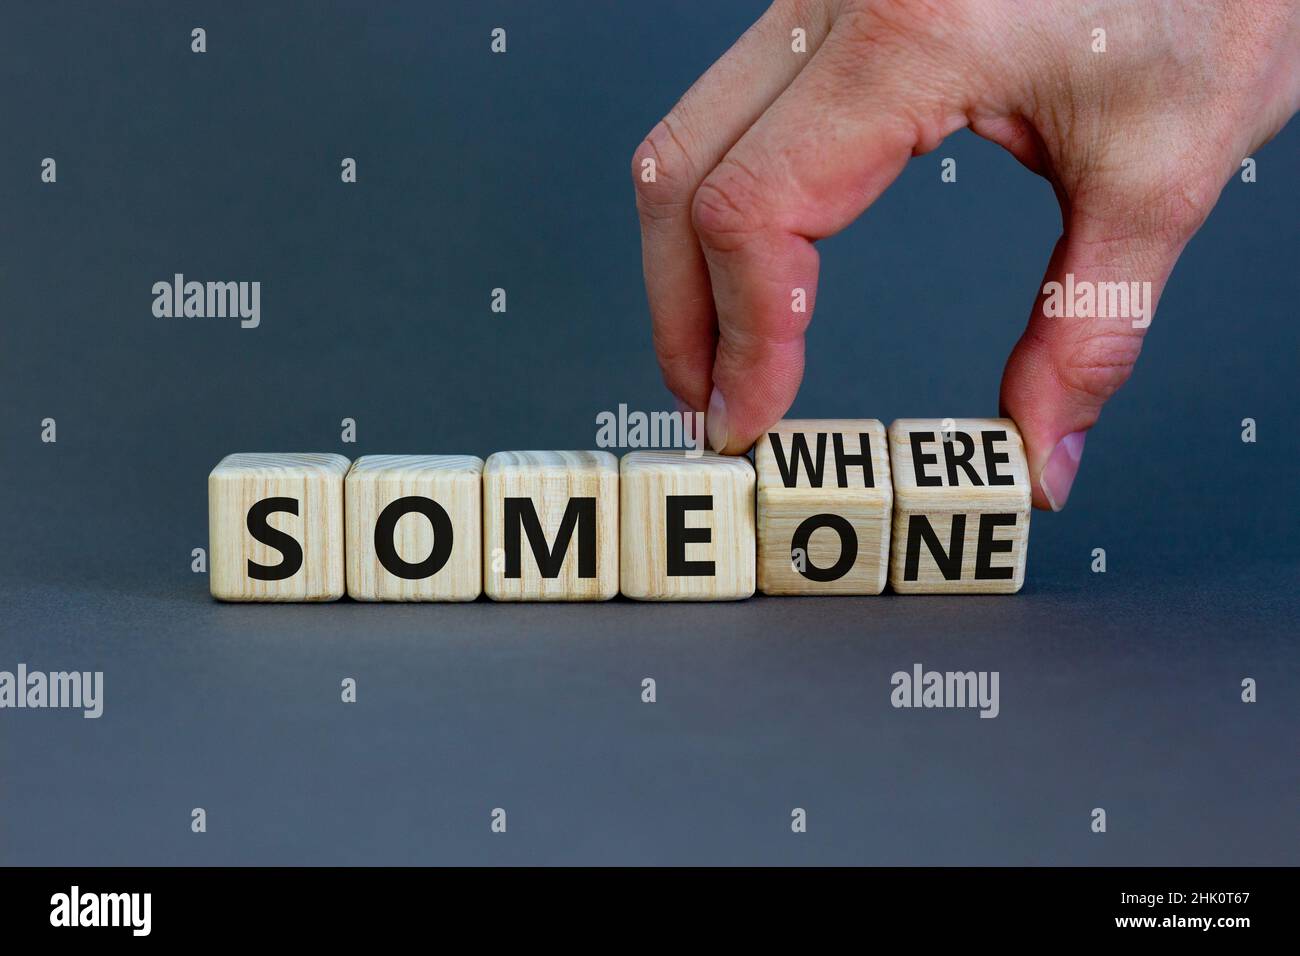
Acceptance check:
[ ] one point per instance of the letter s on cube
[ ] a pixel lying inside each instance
(275, 527)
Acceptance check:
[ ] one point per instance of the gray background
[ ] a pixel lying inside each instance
(1118, 690)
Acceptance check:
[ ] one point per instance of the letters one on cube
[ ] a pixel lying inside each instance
(961, 506)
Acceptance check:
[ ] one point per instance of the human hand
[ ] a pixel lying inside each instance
(774, 149)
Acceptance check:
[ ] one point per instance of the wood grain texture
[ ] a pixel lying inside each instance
(315, 482)
(789, 497)
(648, 479)
(455, 483)
(958, 481)
(550, 480)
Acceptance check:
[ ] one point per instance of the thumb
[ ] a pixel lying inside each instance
(1098, 298)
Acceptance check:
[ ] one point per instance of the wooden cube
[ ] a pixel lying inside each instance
(687, 526)
(275, 527)
(550, 526)
(414, 528)
(825, 507)
(961, 506)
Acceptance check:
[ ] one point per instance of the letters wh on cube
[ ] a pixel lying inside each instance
(825, 500)
(414, 528)
(275, 527)
(688, 526)
(961, 506)
(550, 526)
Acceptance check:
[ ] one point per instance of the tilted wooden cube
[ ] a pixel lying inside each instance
(961, 506)
(275, 527)
(414, 528)
(825, 500)
(687, 526)
(550, 526)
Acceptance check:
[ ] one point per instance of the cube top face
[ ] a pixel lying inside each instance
(684, 466)
(687, 526)
(269, 465)
(414, 528)
(825, 500)
(275, 527)
(961, 506)
(536, 463)
(981, 467)
(810, 458)
(550, 526)
(416, 467)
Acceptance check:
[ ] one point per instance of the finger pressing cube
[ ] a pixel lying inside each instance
(275, 527)
(687, 526)
(825, 502)
(961, 506)
(414, 528)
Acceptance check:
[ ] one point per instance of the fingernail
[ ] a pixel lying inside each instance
(682, 407)
(715, 422)
(1058, 474)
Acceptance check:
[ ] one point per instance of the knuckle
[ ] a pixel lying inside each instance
(1181, 211)
(687, 377)
(917, 51)
(1162, 206)
(677, 380)
(901, 25)
(1167, 216)
(872, 24)
(662, 172)
(671, 347)
(728, 205)
(1097, 364)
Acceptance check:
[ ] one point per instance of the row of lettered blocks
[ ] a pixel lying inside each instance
(826, 507)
